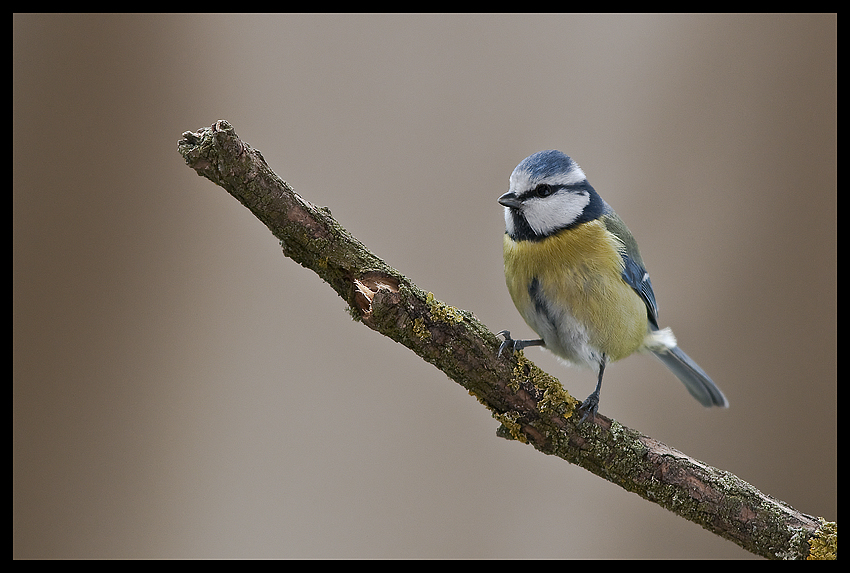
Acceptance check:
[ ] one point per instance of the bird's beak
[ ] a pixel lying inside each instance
(510, 199)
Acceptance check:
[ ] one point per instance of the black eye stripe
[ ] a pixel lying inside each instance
(544, 190)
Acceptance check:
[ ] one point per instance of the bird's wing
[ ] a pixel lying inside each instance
(636, 277)
(634, 273)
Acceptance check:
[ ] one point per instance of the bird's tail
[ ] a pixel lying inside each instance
(692, 376)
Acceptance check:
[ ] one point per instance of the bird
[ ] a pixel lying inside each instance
(576, 276)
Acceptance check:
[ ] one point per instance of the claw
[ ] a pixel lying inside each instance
(507, 342)
(589, 407)
(516, 345)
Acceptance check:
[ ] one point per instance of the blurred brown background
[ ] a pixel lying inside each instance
(183, 390)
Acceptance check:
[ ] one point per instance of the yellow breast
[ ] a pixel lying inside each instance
(579, 274)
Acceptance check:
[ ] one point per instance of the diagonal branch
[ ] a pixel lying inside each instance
(531, 405)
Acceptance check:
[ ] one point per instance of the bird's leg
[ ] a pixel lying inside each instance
(516, 345)
(591, 403)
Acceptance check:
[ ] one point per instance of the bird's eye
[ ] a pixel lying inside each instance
(544, 190)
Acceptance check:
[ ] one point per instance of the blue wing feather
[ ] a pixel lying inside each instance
(636, 277)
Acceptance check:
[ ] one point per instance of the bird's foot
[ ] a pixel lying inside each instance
(507, 343)
(516, 345)
(589, 407)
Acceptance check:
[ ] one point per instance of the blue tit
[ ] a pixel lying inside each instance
(576, 276)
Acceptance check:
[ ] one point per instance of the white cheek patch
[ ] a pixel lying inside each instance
(547, 214)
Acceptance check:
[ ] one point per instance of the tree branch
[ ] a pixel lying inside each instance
(531, 405)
